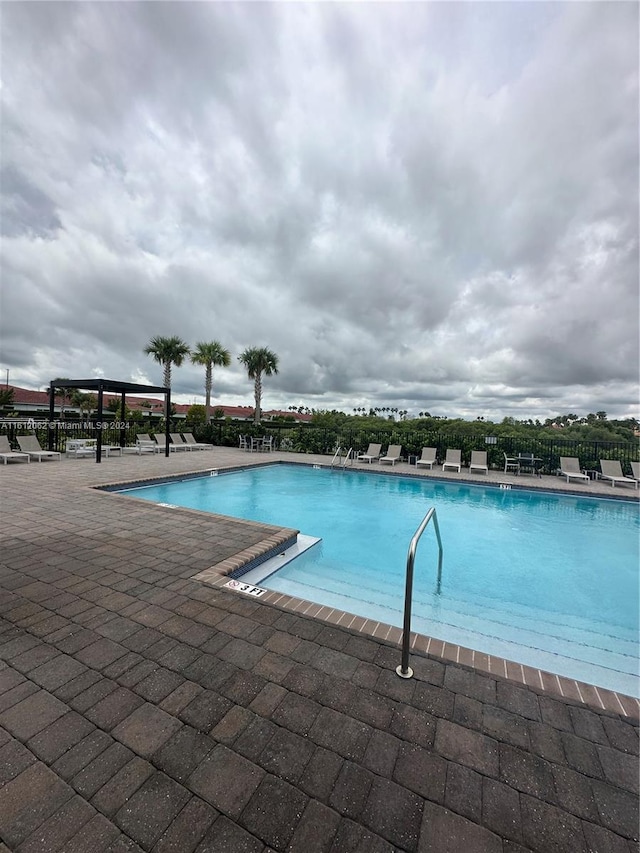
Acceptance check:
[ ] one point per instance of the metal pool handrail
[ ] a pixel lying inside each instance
(404, 670)
(338, 455)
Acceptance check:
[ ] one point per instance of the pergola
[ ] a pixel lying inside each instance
(100, 386)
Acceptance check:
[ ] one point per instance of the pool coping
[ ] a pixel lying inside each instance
(219, 574)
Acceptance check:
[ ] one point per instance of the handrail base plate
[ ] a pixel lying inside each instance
(408, 673)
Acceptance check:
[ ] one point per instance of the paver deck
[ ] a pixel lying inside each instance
(141, 709)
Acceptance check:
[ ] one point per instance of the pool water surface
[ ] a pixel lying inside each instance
(544, 579)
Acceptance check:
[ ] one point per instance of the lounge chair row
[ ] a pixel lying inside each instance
(569, 466)
(30, 447)
(610, 469)
(453, 459)
(374, 454)
(184, 441)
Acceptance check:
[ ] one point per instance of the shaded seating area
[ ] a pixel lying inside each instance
(570, 468)
(612, 470)
(100, 386)
(29, 444)
(393, 454)
(479, 461)
(7, 454)
(428, 457)
(453, 460)
(372, 454)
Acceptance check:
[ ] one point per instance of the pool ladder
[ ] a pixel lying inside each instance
(404, 670)
(350, 456)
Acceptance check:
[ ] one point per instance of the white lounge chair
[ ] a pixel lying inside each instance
(570, 467)
(428, 457)
(161, 442)
(612, 470)
(393, 454)
(196, 445)
(6, 453)
(635, 471)
(373, 453)
(30, 444)
(479, 461)
(144, 444)
(453, 459)
(179, 442)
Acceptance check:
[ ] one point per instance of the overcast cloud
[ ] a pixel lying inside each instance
(428, 206)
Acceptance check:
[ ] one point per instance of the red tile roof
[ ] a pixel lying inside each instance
(27, 397)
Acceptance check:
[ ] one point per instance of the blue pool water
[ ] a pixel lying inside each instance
(544, 579)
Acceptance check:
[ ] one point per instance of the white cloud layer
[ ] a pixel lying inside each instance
(431, 206)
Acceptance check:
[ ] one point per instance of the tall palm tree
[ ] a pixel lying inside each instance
(210, 354)
(167, 351)
(258, 360)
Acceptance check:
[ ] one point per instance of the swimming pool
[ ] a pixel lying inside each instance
(544, 579)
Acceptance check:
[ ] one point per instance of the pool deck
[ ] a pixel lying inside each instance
(144, 709)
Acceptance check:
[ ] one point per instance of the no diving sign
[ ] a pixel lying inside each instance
(256, 591)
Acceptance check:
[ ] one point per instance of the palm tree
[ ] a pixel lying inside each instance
(167, 351)
(61, 392)
(85, 402)
(258, 360)
(210, 354)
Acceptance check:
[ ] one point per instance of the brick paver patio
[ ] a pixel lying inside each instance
(143, 710)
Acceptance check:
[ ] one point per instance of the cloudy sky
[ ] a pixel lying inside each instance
(432, 206)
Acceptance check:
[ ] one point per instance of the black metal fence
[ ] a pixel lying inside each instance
(311, 439)
(321, 440)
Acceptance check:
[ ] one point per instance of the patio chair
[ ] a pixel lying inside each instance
(570, 467)
(479, 461)
(511, 463)
(179, 442)
(243, 443)
(393, 454)
(635, 471)
(267, 444)
(6, 453)
(612, 470)
(373, 453)
(196, 445)
(453, 459)
(428, 457)
(30, 444)
(144, 444)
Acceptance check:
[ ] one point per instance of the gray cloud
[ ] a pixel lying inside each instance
(427, 205)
